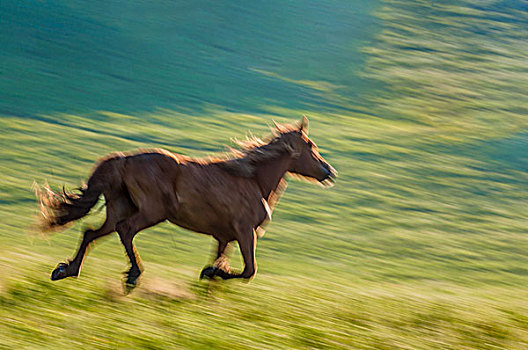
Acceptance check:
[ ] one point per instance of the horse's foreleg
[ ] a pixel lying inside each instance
(247, 244)
(220, 263)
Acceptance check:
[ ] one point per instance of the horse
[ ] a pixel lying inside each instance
(229, 198)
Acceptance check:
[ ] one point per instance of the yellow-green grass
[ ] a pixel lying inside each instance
(420, 245)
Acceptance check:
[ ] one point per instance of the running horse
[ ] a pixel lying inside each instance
(230, 198)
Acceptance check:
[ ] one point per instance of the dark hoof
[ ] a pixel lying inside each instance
(209, 272)
(130, 283)
(223, 274)
(60, 272)
(128, 287)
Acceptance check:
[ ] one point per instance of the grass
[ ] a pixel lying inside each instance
(420, 245)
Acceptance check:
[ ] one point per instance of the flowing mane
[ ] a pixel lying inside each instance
(254, 150)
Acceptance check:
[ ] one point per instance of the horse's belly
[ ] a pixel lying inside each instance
(210, 215)
(212, 202)
(203, 212)
(201, 220)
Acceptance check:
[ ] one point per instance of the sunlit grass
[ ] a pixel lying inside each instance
(386, 258)
(421, 244)
(456, 66)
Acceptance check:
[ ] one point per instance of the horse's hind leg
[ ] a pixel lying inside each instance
(115, 211)
(73, 267)
(127, 230)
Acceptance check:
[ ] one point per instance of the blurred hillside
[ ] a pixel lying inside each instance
(131, 57)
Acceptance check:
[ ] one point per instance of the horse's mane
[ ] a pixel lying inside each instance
(253, 150)
(241, 160)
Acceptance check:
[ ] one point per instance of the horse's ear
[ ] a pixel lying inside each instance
(304, 125)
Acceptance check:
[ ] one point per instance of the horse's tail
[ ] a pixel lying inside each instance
(60, 208)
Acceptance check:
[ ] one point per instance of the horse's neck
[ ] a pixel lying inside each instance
(270, 172)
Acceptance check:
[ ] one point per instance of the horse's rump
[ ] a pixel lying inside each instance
(60, 208)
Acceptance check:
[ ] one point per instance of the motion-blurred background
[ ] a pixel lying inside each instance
(420, 105)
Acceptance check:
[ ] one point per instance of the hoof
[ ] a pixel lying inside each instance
(223, 274)
(128, 287)
(209, 272)
(130, 283)
(60, 272)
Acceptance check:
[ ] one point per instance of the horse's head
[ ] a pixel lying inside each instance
(306, 160)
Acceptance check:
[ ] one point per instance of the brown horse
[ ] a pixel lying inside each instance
(229, 198)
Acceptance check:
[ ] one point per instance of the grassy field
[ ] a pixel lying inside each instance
(419, 105)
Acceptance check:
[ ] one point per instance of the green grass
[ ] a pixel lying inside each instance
(420, 107)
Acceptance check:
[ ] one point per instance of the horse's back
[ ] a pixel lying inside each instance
(149, 179)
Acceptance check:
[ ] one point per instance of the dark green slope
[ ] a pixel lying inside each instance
(129, 57)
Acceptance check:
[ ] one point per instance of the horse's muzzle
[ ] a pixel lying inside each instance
(330, 177)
